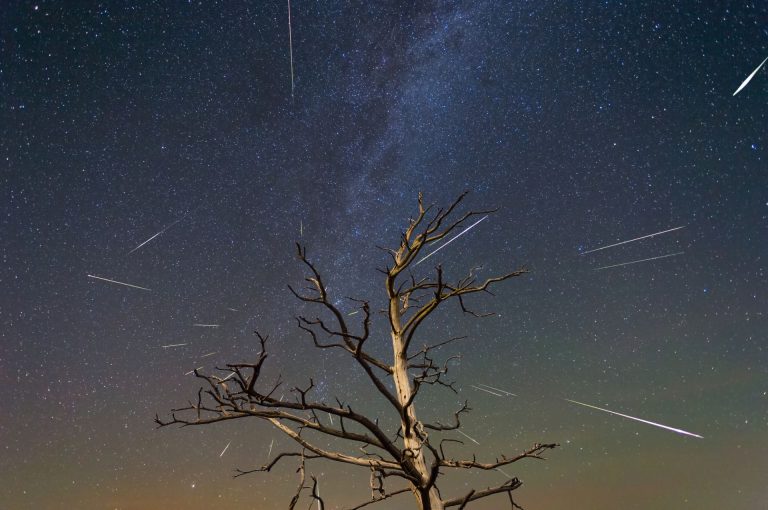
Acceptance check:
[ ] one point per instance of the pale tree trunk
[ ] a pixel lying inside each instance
(427, 498)
(430, 501)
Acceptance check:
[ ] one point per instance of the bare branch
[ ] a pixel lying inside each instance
(447, 440)
(301, 487)
(427, 348)
(533, 453)
(316, 494)
(456, 423)
(335, 456)
(507, 487)
(444, 292)
(352, 342)
(268, 467)
(466, 499)
(379, 500)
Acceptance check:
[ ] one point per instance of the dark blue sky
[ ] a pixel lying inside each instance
(586, 123)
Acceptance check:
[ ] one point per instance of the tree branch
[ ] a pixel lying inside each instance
(473, 495)
(268, 467)
(335, 456)
(379, 500)
(353, 343)
(533, 453)
(456, 424)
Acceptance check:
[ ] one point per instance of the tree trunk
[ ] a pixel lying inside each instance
(429, 500)
(426, 495)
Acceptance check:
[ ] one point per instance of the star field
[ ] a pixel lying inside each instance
(586, 123)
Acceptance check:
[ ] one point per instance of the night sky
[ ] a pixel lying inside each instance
(586, 123)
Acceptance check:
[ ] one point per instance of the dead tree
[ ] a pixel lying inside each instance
(409, 454)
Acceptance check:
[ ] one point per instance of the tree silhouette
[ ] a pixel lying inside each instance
(407, 453)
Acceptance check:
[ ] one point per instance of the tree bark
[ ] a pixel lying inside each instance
(426, 493)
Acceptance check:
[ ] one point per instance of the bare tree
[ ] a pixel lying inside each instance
(409, 454)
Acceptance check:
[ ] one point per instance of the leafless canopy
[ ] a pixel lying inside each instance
(409, 454)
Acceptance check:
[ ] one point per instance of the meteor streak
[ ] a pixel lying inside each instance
(209, 354)
(192, 371)
(679, 431)
(206, 325)
(159, 233)
(225, 449)
(497, 389)
(749, 78)
(487, 391)
(172, 345)
(451, 240)
(290, 48)
(463, 434)
(119, 283)
(632, 240)
(271, 443)
(641, 260)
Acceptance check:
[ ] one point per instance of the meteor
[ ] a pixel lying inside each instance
(497, 389)
(193, 370)
(225, 449)
(641, 260)
(632, 240)
(159, 233)
(119, 283)
(271, 443)
(487, 391)
(290, 48)
(209, 354)
(679, 431)
(206, 325)
(172, 345)
(463, 434)
(749, 78)
(451, 240)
